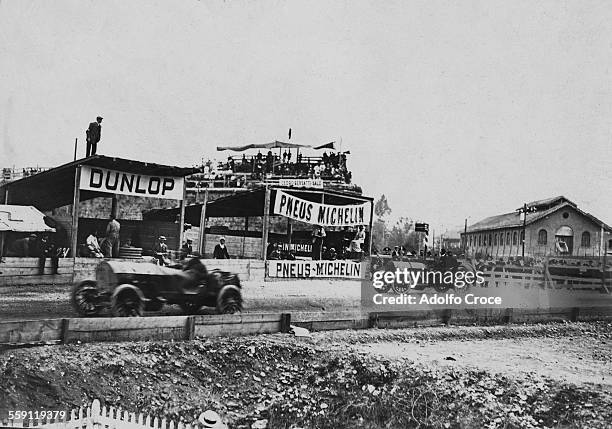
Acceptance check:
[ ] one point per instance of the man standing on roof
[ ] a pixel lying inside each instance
(93, 134)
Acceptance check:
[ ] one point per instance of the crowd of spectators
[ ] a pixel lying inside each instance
(330, 166)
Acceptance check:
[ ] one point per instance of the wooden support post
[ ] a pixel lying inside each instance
(202, 241)
(265, 226)
(246, 227)
(6, 196)
(182, 216)
(370, 226)
(114, 210)
(75, 212)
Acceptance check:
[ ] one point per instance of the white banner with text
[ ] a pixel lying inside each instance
(314, 269)
(139, 185)
(320, 214)
(301, 183)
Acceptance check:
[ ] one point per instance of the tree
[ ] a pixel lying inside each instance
(402, 234)
(379, 228)
(378, 234)
(381, 208)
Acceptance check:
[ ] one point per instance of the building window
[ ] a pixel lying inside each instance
(495, 239)
(542, 237)
(586, 239)
(490, 239)
(501, 239)
(480, 239)
(565, 215)
(514, 238)
(508, 238)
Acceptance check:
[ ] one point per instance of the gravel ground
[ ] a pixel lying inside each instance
(553, 375)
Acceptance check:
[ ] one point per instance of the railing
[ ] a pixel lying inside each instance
(11, 173)
(254, 168)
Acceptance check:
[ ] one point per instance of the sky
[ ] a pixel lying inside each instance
(453, 110)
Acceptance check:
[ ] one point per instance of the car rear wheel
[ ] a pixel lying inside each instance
(86, 299)
(127, 303)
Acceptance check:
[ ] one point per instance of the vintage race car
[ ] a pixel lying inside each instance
(130, 288)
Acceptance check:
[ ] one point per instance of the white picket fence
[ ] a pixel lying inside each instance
(96, 417)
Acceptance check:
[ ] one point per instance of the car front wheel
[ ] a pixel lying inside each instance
(229, 300)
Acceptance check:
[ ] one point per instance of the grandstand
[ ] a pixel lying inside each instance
(271, 163)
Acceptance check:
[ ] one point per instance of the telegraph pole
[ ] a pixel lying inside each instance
(524, 229)
(465, 236)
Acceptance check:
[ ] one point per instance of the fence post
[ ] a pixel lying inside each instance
(64, 338)
(508, 316)
(189, 328)
(446, 316)
(285, 322)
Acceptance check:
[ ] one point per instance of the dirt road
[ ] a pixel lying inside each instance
(571, 359)
(42, 302)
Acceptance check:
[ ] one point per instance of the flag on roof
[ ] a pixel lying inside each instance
(330, 145)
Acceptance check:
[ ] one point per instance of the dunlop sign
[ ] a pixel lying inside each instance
(314, 269)
(117, 182)
(320, 214)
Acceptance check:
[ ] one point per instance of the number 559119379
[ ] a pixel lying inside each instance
(36, 415)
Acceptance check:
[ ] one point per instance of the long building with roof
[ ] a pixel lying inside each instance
(553, 226)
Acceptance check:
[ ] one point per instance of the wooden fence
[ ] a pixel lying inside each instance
(96, 329)
(25, 271)
(97, 417)
(177, 328)
(552, 275)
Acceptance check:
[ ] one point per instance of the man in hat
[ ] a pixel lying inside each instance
(396, 255)
(211, 420)
(93, 134)
(161, 250)
(318, 236)
(187, 248)
(220, 251)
